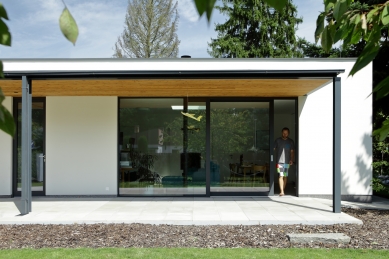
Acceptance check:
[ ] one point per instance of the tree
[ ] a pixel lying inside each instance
(206, 6)
(312, 50)
(150, 30)
(254, 29)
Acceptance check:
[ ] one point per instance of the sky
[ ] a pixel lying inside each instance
(35, 29)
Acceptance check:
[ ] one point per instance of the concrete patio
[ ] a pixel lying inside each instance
(177, 211)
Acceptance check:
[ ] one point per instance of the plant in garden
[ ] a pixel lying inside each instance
(380, 152)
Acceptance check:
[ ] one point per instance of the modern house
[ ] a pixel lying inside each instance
(189, 127)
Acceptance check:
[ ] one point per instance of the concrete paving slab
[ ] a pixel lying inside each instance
(328, 238)
(172, 210)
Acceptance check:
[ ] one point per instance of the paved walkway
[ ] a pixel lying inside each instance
(377, 204)
(177, 211)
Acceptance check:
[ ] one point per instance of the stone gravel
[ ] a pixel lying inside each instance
(372, 234)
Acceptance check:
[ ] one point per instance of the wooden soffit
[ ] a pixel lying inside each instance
(168, 87)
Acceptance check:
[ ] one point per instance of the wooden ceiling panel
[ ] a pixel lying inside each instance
(168, 87)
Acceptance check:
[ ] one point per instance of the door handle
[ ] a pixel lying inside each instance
(44, 158)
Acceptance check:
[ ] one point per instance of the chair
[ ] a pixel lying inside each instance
(259, 170)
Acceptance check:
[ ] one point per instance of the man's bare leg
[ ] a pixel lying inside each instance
(285, 180)
(281, 183)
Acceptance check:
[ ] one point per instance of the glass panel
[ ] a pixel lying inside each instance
(152, 160)
(37, 146)
(195, 158)
(240, 147)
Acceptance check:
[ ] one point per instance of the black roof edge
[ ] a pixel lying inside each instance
(217, 74)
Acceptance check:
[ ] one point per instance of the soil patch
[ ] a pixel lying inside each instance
(372, 234)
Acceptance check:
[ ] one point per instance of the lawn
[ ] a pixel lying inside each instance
(32, 184)
(197, 253)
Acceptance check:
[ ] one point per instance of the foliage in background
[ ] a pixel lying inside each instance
(231, 132)
(312, 50)
(380, 150)
(6, 121)
(206, 6)
(255, 30)
(150, 30)
(353, 22)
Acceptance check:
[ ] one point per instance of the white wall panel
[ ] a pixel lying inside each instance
(315, 142)
(315, 135)
(6, 157)
(81, 145)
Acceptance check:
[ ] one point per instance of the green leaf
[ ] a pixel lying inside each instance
(356, 19)
(3, 12)
(368, 54)
(375, 33)
(332, 27)
(205, 6)
(326, 39)
(385, 12)
(5, 35)
(277, 4)
(356, 36)
(348, 28)
(68, 26)
(319, 26)
(371, 14)
(7, 123)
(340, 8)
(383, 132)
(382, 89)
(343, 31)
(328, 4)
(385, 16)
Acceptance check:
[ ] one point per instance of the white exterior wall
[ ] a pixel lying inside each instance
(315, 137)
(81, 145)
(6, 157)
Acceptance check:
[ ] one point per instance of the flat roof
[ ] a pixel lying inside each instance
(174, 68)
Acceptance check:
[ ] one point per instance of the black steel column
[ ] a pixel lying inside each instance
(26, 146)
(208, 148)
(185, 140)
(336, 170)
(272, 165)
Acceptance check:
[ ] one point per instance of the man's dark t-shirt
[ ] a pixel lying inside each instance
(283, 147)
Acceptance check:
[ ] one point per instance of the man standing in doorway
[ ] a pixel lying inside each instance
(284, 147)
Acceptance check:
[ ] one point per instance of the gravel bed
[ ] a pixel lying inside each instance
(372, 234)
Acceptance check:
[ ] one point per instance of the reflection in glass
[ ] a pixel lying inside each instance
(162, 150)
(37, 146)
(239, 147)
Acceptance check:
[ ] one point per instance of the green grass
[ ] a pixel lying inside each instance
(32, 184)
(197, 253)
(190, 184)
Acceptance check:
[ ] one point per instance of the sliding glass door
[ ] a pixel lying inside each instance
(161, 146)
(240, 147)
